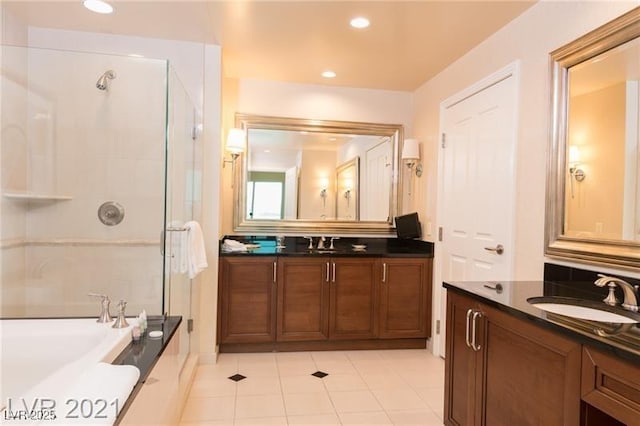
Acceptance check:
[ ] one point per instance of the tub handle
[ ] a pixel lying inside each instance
(105, 316)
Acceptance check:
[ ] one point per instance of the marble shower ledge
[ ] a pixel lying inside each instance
(35, 196)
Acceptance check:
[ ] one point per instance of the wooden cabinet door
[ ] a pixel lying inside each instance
(459, 364)
(353, 303)
(405, 298)
(529, 375)
(247, 292)
(612, 386)
(303, 299)
(519, 374)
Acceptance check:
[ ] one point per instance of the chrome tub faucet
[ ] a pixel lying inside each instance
(121, 321)
(105, 316)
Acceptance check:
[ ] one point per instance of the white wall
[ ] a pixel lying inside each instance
(283, 99)
(529, 39)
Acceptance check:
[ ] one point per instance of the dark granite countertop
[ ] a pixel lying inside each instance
(298, 246)
(513, 300)
(146, 352)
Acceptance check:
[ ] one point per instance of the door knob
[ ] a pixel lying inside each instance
(499, 249)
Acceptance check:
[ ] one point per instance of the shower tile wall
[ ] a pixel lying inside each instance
(13, 174)
(93, 146)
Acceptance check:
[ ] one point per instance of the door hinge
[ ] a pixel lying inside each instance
(440, 233)
(444, 140)
(189, 325)
(438, 327)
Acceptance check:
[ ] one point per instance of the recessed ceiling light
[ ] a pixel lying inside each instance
(98, 6)
(328, 74)
(360, 22)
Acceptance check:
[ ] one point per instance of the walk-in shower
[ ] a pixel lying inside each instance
(72, 163)
(103, 81)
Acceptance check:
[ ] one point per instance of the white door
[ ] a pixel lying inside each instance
(291, 193)
(377, 184)
(477, 187)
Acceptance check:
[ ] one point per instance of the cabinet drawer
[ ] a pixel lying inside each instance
(611, 385)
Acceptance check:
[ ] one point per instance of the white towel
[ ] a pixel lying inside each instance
(102, 381)
(196, 252)
(233, 246)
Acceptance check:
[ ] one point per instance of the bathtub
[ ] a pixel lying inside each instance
(58, 371)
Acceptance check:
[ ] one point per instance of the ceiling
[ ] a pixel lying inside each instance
(407, 43)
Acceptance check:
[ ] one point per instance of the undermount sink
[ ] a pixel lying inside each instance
(584, 309)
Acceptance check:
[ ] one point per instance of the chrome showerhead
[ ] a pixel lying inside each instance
(103, 81)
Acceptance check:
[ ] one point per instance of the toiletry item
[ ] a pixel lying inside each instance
(140, 323)
(143, 318)
(155, 334)
(135, 333)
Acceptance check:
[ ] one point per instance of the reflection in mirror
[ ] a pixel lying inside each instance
(306, 175)
(347, 190)
(593, 212)
(602, 149)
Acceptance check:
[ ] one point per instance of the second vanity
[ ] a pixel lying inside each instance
(509, 362)
(296, 298)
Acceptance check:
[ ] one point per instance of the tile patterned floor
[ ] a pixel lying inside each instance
(393, 387)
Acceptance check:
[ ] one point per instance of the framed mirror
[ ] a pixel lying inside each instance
(317, 176)
(593, 181)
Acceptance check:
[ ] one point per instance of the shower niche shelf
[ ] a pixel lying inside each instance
(35, 196)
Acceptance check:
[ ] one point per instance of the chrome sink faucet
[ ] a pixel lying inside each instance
(321, 243)
(332, 247)
(310, 247)
(630, 302)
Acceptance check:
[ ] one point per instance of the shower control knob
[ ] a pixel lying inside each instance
(111, 213)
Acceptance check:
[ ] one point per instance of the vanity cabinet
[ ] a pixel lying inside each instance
(247, 294)
(502, 370)
(353, 307)
(303, 299)
(405, 298)
(317, 302)
(320, 298)
(612, 386)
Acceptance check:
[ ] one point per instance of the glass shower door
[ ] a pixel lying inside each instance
(80, 133)
(181, 191)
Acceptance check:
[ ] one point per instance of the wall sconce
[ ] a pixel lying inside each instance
(574, 172)
(324, 183)
(411, 157)
(348, 185)
(235, 145)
